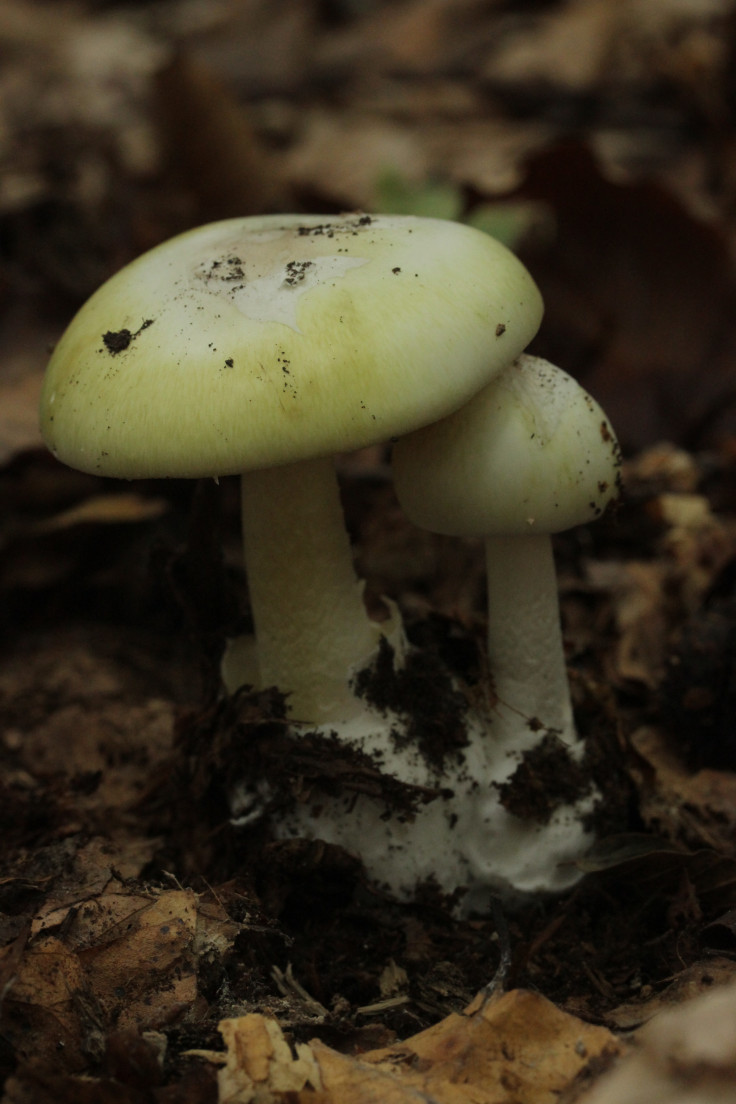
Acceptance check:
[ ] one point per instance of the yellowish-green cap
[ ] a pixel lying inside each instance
(262, 341)
(530, 453)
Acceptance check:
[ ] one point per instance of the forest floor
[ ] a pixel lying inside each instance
(152, 951)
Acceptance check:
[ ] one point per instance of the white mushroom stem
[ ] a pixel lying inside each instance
(525, 650)
(312, 628)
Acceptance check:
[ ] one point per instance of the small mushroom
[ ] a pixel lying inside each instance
(530, 455)
(262, 347)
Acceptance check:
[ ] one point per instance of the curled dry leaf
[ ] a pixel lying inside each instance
(693, 981)
(104, 509)
(126, 958)
(639, 296)
(696, 808)
(259, 1064)
(519, 1047)
(687, 1055)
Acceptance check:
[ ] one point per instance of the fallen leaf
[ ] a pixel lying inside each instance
(516, 1048)
(640, 299)
(125, 958)
(19, 417)
(112, 509)
(686, 1055)
(697, 808)
(40, 1011)
(213, 144)
(260, 1066)
(699, 978)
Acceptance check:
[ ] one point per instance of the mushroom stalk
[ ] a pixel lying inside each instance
(312, 628)
(525, 649)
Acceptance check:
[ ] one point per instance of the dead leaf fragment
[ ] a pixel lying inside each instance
(104, 509)
(213, 144)
(125, 958)
(639, 296)
(695, 808)
(686, 1055)
(695, 980)
(259, 1064)
(19, 417)
(519, 1048)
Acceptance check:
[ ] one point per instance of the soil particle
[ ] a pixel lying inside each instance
(421, 693)
(117, 341)
(546, 778)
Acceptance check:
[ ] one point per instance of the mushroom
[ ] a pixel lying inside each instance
(262, 347)
(528, 455)
(531, 454)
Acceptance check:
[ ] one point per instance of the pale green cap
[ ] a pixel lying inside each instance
(262, 341)
(532, 452)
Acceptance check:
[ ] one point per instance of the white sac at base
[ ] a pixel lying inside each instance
(463, 838)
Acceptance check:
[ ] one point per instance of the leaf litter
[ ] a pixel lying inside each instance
(148, 950)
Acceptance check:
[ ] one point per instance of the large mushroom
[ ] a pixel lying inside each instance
(262, 347)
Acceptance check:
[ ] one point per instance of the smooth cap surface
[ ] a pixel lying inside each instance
(262, 341)
(531, 452)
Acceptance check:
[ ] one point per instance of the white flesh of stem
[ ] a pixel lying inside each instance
(312, 628)
(525, 650)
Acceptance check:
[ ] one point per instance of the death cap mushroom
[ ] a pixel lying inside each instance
(263, 346)
(262, 341)
(532, 453)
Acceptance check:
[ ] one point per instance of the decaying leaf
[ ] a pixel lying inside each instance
(651, 595)
(260, 1066)
(126, 958)
(519, 1048)
(212, 143)
(639, 297)
(19, 417)
(695, 980)
(104, 509)
(697, 808)
(686, 1055)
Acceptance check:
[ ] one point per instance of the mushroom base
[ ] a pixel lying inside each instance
(414, 821)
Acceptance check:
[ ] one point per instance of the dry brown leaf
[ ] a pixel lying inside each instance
(684, 1056)
(567, 46)
(260, 1066)
(41, 1008)
(518, 1048)
(132, 738)
(90, 875)
(124, 958)
(697, 808)
(104, 509)
(650, 597)
(640, 301)
(19, 417)
(358, 147)
(213, 145)
(637, 590)
(699, 978)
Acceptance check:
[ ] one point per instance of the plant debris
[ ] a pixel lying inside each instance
(153, 948)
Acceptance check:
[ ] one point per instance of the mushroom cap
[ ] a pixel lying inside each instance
(531, 452)
(255, 342)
